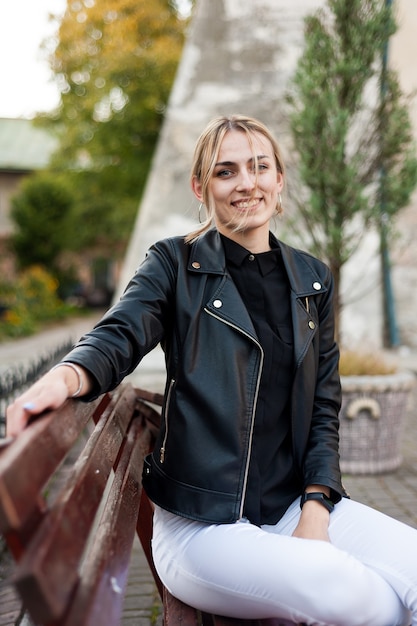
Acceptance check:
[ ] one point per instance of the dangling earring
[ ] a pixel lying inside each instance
(199, 213)
(279, 205)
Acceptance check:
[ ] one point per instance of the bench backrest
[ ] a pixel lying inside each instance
(70, 493)
(70, 503)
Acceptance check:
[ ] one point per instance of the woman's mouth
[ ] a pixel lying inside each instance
(244, 205)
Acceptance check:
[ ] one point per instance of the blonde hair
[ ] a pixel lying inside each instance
(207, 151)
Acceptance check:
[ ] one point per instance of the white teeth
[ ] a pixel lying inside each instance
(246, 205)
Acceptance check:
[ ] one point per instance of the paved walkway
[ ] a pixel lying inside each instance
(393, 493)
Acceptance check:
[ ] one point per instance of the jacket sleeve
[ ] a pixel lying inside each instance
(321, 460)
(133, 326)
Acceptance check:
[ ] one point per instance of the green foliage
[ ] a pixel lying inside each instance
(351, 128)
(29, 301)
(115, 64)
(41, 212)
(397, 150)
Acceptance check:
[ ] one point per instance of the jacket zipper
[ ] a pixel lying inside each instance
(245, 480)
(167, 403)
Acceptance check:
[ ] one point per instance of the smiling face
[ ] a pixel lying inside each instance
(243, 189)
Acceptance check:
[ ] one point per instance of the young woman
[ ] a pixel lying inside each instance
(251, 518)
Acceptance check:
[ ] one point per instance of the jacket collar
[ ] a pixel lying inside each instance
(304, 280)
(207, 256)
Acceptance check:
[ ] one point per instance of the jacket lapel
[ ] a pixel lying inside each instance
(305, 283)
(207, 257)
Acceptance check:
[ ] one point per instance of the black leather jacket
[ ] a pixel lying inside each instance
(183, 297)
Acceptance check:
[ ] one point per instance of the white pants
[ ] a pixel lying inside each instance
(367, 575)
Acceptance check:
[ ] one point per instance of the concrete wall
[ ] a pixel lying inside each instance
(403, 55)
(403, 50)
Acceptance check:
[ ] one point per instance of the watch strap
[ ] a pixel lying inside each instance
(319, 496)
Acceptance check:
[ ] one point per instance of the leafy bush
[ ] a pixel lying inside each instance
(28, 302)
(41, 212)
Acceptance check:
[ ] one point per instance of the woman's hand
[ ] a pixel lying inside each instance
(314, 522)
(314, 518)
(49, 392)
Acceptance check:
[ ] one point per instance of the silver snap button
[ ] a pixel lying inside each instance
(217, 304)
(316, 286)
(311, 325)
(251, 257)
(196, 265)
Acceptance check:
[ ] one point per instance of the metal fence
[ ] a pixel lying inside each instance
(16, 379)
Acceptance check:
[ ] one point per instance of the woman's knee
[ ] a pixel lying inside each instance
(344, 591)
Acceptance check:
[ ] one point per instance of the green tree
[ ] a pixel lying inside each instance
(351, 128)
(41, 212)
(115, 64)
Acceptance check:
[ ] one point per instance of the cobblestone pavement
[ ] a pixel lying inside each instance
(394, 493)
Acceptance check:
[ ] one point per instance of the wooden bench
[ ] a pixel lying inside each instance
(70, 504)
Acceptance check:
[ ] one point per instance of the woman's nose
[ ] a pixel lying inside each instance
(246, 180)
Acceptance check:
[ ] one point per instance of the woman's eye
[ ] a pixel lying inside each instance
(224, 173)
(260, 168)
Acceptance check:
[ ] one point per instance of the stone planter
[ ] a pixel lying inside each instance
(372, 421)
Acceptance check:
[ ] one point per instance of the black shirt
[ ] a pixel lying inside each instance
(263, 285)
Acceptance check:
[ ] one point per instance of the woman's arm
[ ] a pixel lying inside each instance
(106, 354)
(322, 457)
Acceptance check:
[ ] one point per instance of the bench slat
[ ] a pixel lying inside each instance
(99, 596)
(49, 439)
(47, 572)
(144, 530)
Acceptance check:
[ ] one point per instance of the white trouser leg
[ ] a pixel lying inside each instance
(244, 571)
(383, 544)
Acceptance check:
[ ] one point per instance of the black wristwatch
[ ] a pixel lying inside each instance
(320, 497)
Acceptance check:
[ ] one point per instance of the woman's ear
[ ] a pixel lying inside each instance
(197, 190)
(280, 181)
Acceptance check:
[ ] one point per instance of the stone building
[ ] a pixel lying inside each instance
(24, 149)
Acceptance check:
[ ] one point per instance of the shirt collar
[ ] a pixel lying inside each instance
(237, 254)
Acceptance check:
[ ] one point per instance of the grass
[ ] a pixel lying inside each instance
(356, 363)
